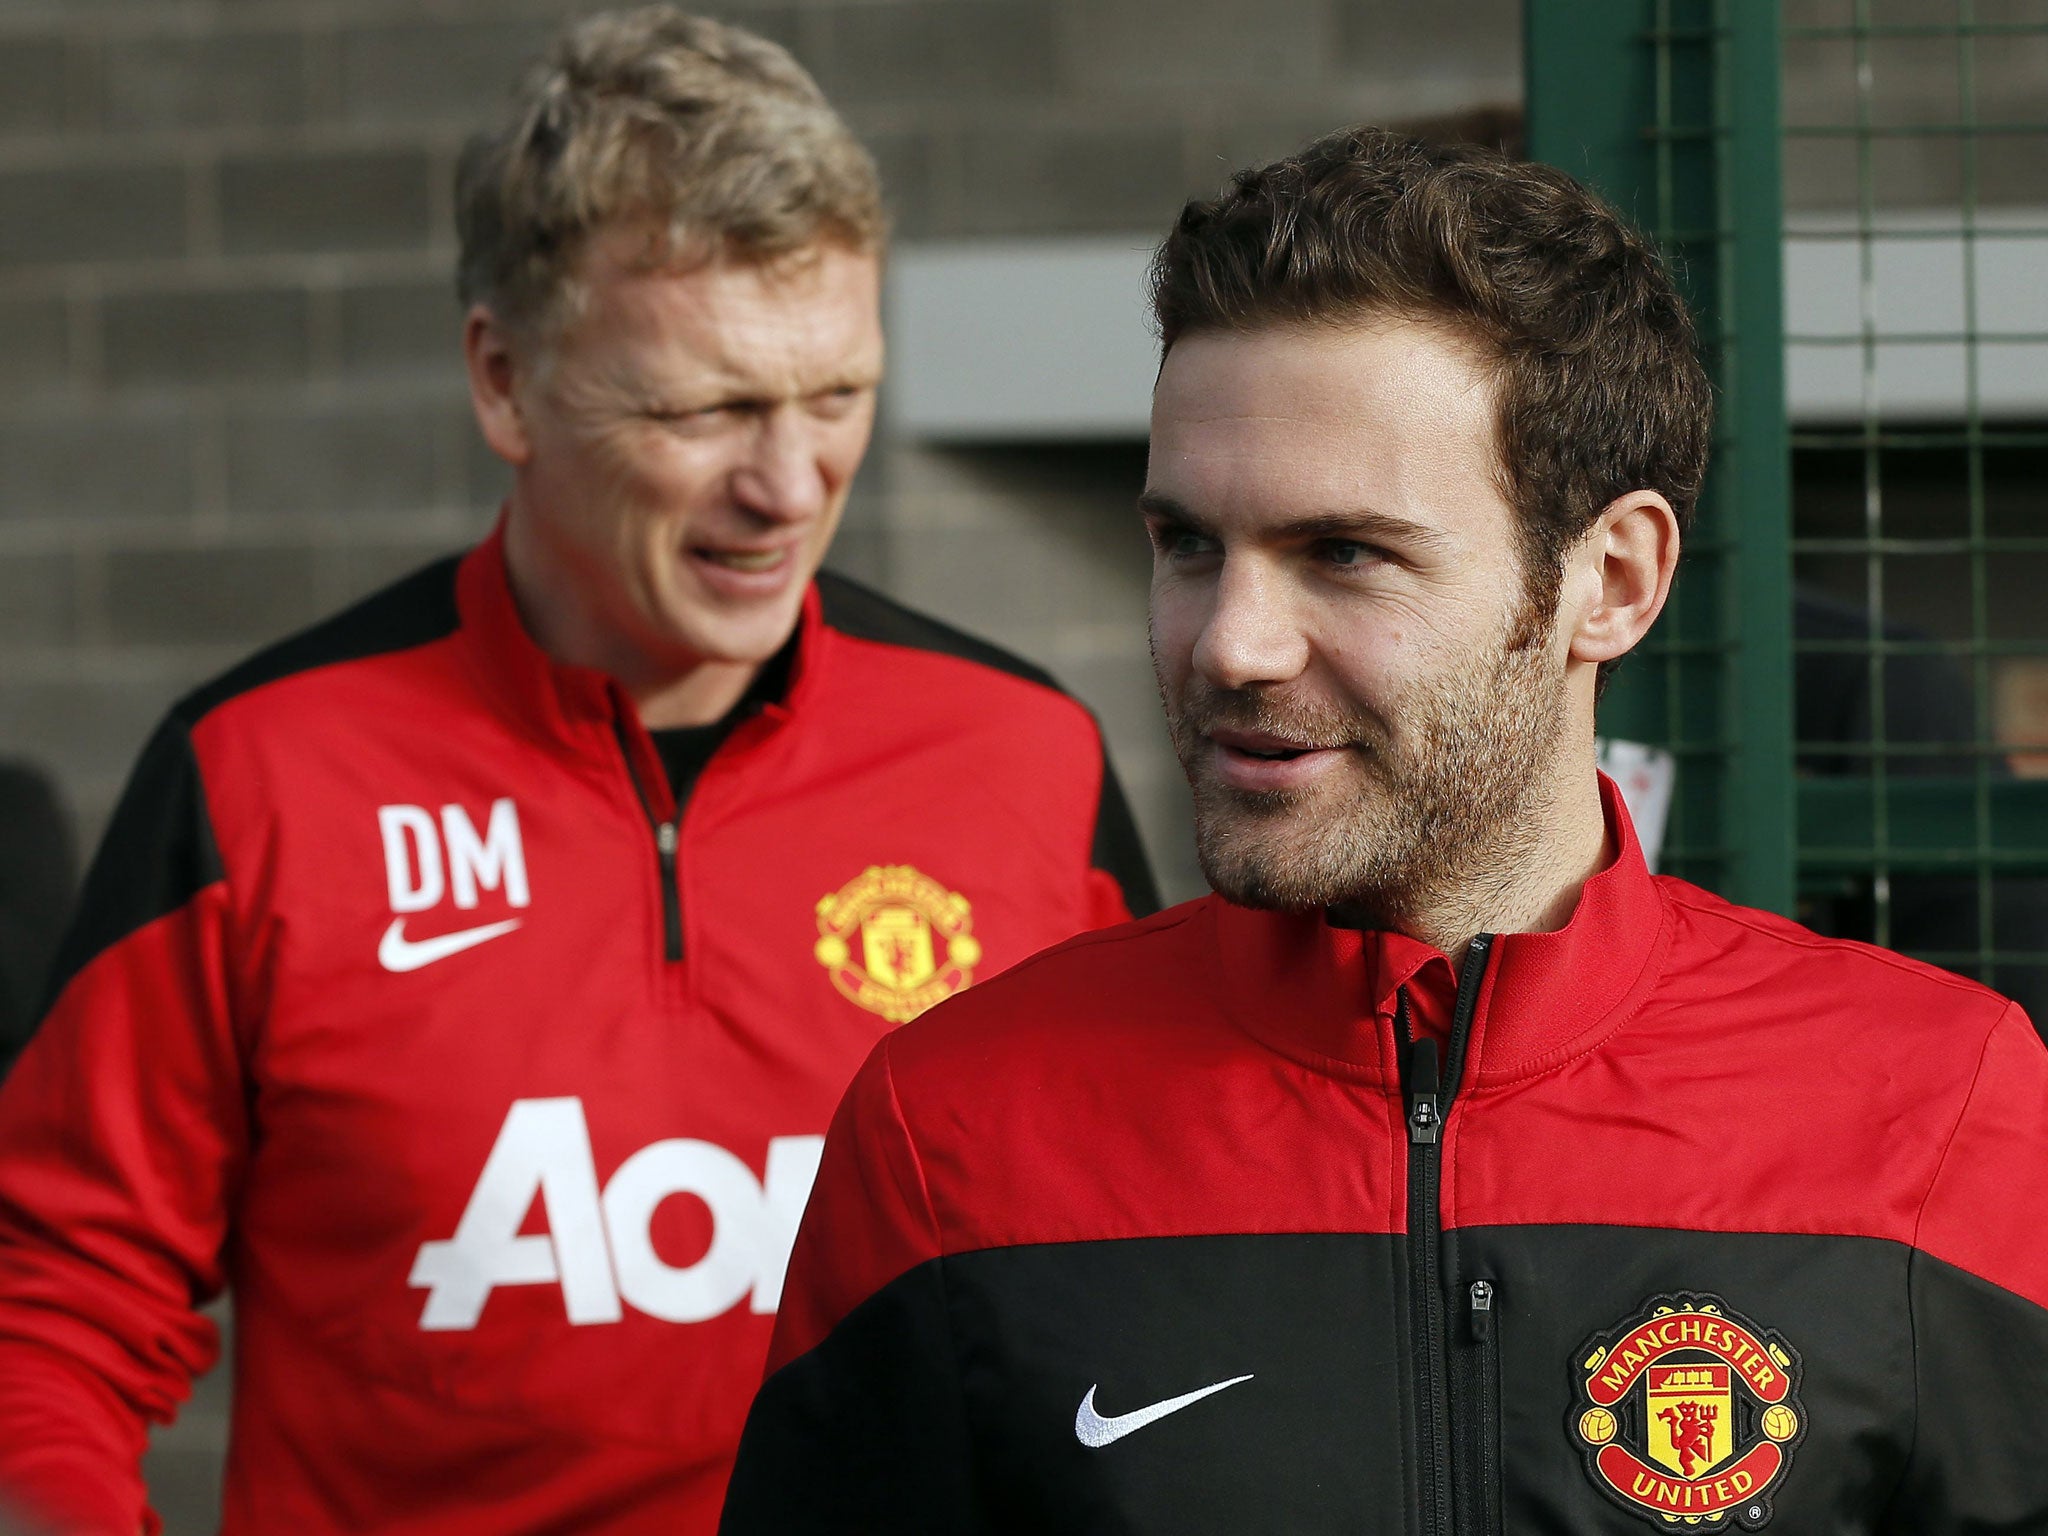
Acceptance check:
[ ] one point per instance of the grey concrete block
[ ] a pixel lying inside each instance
(207, 335)
(349, 572)
(2012, 169)
(1400, 43)
(81, 728)
(358, 459)
(926, 49)
(105, 466)
(91, 213)
(238, 596)
(187, 1457)
(1218, 150)
(370, 201)
(1121, 692)
(35, 340)
(227, 80)
(907, 162)
(38, 599)
(462, 71)
(1070, 179)
(1118, 47)
(863, 554)
(411, 327)
(32, 78)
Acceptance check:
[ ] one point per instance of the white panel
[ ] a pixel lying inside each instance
(1914, 285)
(1050, 340)
(1019, 340)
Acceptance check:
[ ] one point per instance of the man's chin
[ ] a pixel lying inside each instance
(733, 639)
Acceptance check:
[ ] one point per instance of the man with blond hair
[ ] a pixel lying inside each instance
(467, 981)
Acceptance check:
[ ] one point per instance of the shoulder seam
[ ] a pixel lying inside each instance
(1962, 1114)
(924, 1187)
(1803, 939)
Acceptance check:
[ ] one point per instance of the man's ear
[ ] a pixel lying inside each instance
(1620, 575)
(495, 373)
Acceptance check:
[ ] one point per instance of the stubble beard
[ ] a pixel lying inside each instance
(1436, 813)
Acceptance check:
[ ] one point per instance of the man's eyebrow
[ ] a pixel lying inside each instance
(1361, 526)
(1159, 504)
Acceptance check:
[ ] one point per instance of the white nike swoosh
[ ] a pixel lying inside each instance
(395, 952)
(1092, 1429)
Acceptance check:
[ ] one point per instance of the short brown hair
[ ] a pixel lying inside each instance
(713, 136)
(1599, 388)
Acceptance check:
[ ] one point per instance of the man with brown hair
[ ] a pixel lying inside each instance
(1444, 1172)
(467, 981)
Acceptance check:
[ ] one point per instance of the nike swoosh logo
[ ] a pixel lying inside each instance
(395, 952)
(1092, 1429)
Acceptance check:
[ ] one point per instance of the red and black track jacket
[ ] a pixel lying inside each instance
(1702, 1223)
(403, 999)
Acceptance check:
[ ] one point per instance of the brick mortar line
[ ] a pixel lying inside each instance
(171, 148)
(372, 391)
(108, 661)
(427, 528)
(143, 19)
(195, 273)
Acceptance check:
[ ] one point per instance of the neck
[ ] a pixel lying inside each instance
(555, 608)
(1530, 882)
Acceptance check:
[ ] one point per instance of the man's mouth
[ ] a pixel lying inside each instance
(1272, 749)
(752, 561)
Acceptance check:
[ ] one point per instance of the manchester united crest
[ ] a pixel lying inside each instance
(1688, 1414)
(896, 941)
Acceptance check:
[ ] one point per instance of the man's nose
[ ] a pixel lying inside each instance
(1252, 634)
(782, 474)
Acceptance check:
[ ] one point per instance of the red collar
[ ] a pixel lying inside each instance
(581, 709)
(1326, 995)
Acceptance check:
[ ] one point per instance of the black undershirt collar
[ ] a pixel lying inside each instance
(686, 750)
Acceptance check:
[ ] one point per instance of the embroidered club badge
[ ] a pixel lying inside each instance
(895, 941)
(1688, 1414)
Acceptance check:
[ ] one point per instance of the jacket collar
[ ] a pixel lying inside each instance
(1326, 995)
(581, 709)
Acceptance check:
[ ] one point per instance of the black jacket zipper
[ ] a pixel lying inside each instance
(1429, 1101)
(1478, 1404)
(667, 834)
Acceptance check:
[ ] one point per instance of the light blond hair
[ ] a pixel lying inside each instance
(715, 139)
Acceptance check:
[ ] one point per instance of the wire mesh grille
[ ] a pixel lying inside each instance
(1709, 686)
(1916, 143)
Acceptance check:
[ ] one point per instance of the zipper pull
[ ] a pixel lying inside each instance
(665, 840)
(1482, 1311)
(1424, 1122)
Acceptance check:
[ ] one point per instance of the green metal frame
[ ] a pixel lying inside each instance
(1670, 108)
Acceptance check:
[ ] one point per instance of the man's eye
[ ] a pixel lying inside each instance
(1180, 544)
(1349, 552)
(838, 402)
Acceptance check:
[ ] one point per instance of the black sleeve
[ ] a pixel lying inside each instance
(38, 871)
(1980, 1373)
(867, 1432)
(1118, 851)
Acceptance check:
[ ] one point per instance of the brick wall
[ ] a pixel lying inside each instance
(230, 398)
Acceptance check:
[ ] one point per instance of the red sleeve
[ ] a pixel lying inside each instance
(868, 1221)
(123, 1130)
